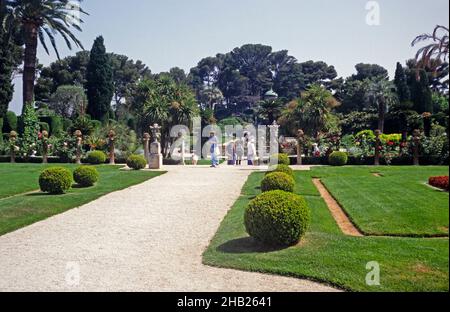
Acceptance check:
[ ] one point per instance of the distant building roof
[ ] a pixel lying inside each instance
(271, 94)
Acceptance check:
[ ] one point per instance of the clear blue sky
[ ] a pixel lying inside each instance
(168, 33)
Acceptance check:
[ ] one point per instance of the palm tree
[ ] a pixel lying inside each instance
(37, 18)
(314, 109)
(437, 50)
(380, 93)
(270, 110)
(211, 97)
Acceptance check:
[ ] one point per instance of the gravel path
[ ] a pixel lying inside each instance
(149, 237)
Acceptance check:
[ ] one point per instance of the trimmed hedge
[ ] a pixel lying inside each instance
(369, 161)
(283, 159)
(282, 168)
(55, 180)
(277, 218)
(86, 176)
(136, 162)
(278, 181)
(338, 159)
(96, 158)
(439, 182)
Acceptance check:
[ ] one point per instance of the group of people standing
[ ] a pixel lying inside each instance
(236, 150)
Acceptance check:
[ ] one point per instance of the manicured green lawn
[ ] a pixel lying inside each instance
(18, 209)
(326, 255)
(398, 203)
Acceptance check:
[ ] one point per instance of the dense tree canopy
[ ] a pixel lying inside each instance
(246, 73)
(165, 102)
(69, 101)
(369, 71)
(312, 111)
(68, 71)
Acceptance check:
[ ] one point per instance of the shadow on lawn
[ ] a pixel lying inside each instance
(40, 194)
(246, 245)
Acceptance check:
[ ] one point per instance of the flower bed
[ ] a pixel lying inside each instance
(439, 182)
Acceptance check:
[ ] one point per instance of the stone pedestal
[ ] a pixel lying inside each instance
(146, 143)
(155, 159)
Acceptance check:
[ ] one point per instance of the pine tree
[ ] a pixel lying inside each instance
(404, 94)
(100, 86)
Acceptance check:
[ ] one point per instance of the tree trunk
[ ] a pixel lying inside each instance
(29, 72)
(381, 117)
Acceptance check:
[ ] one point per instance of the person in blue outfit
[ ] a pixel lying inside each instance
(214, 146)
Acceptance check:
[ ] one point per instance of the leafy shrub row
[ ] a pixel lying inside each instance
(57, 180)
(369, 161)
(439, 182)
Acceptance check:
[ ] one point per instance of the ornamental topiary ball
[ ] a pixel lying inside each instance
(283, 159)
(278, 181)
(136, 162)
(55, 180)
(338, 159)
(86, 176)
(281, 168)
(96, 158)
(277, 218)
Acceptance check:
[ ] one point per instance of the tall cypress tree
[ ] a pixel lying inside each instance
(421, 94)
(6, 70)
(404, 94)
(100, 85)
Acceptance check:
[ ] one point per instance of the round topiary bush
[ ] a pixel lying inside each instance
(136, 162)
(55, 180)
(281, 168)
(86, 176)
(283, 159)
(278, 181)
(277, 218)
(96, 158)
(338, 159)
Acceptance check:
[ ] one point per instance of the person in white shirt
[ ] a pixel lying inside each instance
(251, 151)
